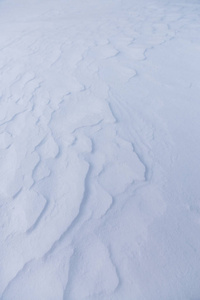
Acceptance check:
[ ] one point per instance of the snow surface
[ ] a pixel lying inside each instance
(100, 150)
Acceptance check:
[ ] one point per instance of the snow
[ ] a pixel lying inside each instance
(99, 150)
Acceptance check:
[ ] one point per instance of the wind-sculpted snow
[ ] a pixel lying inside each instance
(99, 150)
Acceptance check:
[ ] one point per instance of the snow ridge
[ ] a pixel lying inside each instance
(89, 145)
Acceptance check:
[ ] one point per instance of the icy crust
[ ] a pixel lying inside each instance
(94, 203)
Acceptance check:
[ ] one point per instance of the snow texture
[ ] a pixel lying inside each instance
(99, 150)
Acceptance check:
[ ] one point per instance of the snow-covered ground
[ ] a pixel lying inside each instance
(99, 150)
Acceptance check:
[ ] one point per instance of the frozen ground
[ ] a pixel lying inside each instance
(99, 150)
